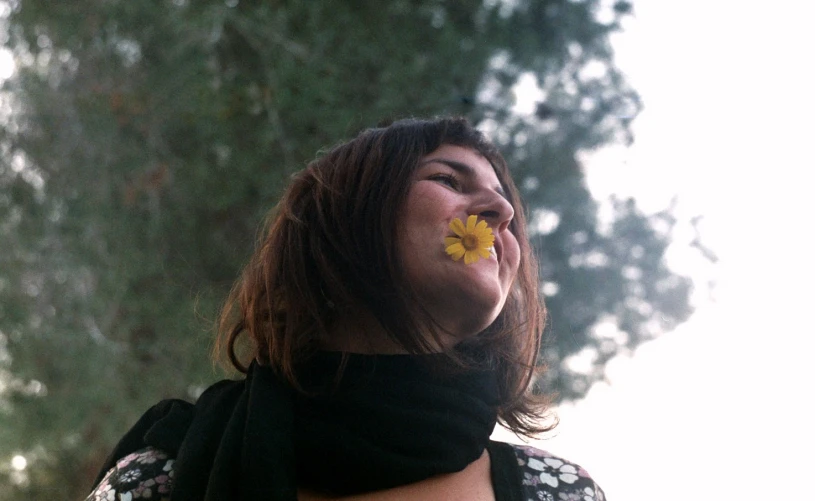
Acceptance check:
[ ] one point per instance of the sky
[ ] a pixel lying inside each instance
(718, 408)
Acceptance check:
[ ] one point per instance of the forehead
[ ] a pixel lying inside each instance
(464, 160)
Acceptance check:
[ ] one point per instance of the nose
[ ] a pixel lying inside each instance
(495, 209)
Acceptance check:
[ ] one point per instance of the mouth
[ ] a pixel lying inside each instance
(495, 250)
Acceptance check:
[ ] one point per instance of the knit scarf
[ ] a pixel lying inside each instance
(390, 421)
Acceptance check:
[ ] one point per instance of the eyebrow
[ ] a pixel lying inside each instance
(463, 169)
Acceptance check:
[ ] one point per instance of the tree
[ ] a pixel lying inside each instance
(143, 142)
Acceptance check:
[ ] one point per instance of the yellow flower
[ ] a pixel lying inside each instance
(472, 242)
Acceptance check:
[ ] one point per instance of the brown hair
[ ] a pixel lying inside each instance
(331, 246)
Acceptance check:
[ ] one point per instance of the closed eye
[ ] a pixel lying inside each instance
(446, 179)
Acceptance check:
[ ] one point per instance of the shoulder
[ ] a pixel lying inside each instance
(144, 474)
(547, 477)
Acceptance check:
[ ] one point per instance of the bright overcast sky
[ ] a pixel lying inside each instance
(718, 409)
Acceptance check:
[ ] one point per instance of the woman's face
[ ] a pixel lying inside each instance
(455, 182)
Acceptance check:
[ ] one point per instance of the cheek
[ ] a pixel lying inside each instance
(428, 210)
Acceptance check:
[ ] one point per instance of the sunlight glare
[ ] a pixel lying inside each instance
(19, 463)
(6, 64)
(527, 94)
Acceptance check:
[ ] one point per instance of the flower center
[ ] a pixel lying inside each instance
(470, 242)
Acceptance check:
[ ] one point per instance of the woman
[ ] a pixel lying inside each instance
(387, 320)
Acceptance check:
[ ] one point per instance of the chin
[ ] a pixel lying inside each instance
(477, 319)
(464, 304)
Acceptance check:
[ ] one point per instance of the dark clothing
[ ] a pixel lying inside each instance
(391, 420)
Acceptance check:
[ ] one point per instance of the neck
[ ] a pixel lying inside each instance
(360, 333)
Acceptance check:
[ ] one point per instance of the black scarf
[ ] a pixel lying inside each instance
(391, 421)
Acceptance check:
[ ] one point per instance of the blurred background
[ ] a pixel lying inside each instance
(662, 149)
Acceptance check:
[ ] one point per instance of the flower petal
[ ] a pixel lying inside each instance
(456, 251)
(485, 253)
(454, 248)
(471, 220)
(535, 464)
(569, 478)
(457, 226)
(568, 468)
(448, 241)
(549, 479)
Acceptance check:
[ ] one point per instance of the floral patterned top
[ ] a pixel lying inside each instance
(144, 474)
(550, 478)
(148, 474)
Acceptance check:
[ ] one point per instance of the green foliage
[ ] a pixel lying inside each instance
(143, 142)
